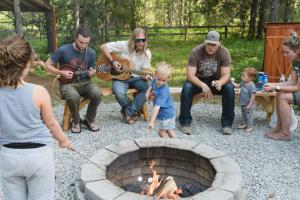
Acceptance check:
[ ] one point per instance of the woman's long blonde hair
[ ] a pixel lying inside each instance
(131, 41)
(15, 53)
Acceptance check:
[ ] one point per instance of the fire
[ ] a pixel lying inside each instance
(162, 189)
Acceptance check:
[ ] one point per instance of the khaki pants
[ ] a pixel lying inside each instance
(72, 93)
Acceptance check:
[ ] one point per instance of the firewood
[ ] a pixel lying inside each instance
(167, 188)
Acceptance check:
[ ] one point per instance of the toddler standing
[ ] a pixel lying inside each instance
(164, 109)
(247, 97)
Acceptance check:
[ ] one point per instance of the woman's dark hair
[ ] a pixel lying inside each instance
(15, 53)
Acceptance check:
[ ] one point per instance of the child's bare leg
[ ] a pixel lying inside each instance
(171, 133)
(162, 133)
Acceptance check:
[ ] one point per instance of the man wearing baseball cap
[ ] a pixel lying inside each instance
(208, 72)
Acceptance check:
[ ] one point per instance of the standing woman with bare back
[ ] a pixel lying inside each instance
(27, 128)
(288, 93)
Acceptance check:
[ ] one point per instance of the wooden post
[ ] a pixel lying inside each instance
(51, 29)
(18, 21)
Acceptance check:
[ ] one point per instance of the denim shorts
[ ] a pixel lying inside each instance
(166, 124)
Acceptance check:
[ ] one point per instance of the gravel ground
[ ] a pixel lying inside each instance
(268, 166)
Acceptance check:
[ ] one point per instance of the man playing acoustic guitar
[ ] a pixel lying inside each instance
(136, 51)
(77, 63)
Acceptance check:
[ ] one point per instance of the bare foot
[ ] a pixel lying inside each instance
(272, 131)
(280, 136)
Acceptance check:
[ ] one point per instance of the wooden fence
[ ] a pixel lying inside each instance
(186, 31)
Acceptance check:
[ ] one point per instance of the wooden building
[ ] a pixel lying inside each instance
(37, 6)
(275, 63)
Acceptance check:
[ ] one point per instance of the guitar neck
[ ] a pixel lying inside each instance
(81, 72)
(134, 71)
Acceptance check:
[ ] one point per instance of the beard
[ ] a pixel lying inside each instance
(78, 47)
(139, 48)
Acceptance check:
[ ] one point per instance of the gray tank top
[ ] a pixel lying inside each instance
(20, 119)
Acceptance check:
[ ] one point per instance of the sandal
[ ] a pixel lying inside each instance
(129, 119)
(76, 128)
(90, 125)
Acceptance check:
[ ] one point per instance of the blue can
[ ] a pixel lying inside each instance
(260, 80)
(265, 78)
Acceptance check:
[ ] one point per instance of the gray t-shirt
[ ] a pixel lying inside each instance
(246, 91)
(68, 55)
(209, 66)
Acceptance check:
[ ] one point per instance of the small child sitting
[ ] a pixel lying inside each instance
(247, 97)
(164, 109)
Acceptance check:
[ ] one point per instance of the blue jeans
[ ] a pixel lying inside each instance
(186, 99)
(120, 90)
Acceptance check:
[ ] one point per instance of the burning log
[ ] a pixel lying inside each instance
(168, 189)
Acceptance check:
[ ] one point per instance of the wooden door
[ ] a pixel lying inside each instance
(275, 63)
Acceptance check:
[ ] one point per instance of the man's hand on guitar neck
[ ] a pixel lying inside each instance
(66, 74)
(92, 72)
(117, 66)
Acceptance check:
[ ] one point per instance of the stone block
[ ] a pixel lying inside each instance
(171, 153)
(214, 194)
(104, 157)
(91, 173)
(225, 164)
(207, 151)
(232, 182)
(153, 142)
(102, 190)
(180, 144)
(123, 147)
(136, 171)
(171, 170)
(185, 155)
(133, 196)
(204, 163)
(158, 152)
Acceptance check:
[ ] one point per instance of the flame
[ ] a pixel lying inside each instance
(171, 192)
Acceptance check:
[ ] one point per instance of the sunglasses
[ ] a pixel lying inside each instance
(140, 40)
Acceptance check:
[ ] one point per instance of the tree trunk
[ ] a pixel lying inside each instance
(76, 14)
(133, 17)
(253, 13)
(18, 21)
(243, 17)
(106, 21)
(275, 10)
(288, 11)
(261, 21)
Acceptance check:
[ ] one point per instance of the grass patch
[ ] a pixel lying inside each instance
(244, 53)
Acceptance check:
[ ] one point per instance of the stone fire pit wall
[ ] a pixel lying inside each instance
(186, 161)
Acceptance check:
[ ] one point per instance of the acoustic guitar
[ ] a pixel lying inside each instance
(77, 73)
(107, 72)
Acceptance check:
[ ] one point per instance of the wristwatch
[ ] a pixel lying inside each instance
(278, 88)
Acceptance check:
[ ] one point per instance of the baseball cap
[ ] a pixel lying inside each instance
(212, 37)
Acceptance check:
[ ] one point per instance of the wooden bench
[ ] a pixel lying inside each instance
(84, 101)
(265, 99)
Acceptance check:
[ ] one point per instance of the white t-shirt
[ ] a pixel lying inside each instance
(139, 61)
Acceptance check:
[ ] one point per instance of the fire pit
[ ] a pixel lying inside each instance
(193, 171)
